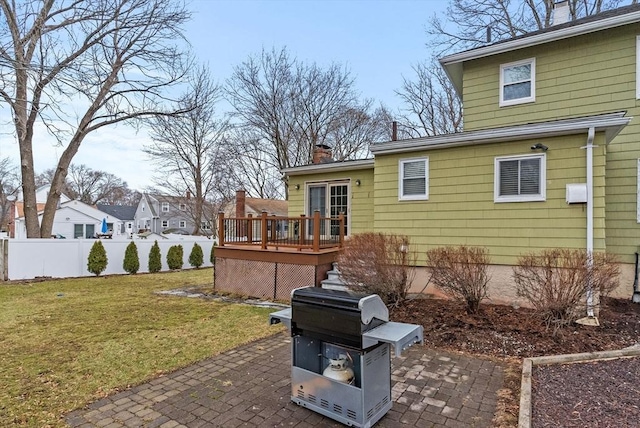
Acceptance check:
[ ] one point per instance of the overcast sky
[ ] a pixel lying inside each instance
(378, 41)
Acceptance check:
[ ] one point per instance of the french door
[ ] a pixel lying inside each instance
(330, 199)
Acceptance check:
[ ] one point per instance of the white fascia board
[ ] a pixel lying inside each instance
(611, 124)
(329, 167)
(452, 64)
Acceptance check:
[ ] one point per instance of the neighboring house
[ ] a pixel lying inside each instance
(243, 206)
(18, 227)
(168, 214)
(549, 156)
(126, 215)
(75, 219)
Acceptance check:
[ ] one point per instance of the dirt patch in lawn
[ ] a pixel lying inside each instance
(510, 334)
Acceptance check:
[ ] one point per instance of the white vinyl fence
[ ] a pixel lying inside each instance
(64, 258)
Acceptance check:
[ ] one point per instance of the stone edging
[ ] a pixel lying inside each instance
(524, 419)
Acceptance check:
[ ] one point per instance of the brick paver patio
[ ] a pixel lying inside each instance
(250, 386)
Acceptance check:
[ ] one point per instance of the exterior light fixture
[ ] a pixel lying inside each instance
(297, 186)
(358, 182)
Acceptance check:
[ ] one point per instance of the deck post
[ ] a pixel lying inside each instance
(341, 226)
(303, 230)
(274, 223)
(249, 228)
(316, 231)
(264, 230)
(221, 229)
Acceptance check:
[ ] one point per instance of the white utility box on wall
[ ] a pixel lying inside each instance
(577, 193)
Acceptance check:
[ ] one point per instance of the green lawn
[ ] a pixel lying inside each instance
(65, 343)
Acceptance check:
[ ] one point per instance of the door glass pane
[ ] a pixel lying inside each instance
(339, 201)
(317, 202)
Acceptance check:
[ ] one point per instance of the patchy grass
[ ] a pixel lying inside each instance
(65, 343)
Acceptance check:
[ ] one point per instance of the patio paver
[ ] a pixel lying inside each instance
(250, 387)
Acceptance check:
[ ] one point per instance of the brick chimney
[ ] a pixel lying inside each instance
(241, 227)
(188, 195)
(322, 154)
(240, 203)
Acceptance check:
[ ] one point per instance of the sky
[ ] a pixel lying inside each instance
(377, 40)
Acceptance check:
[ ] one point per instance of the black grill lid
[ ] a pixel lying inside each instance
(369, 306)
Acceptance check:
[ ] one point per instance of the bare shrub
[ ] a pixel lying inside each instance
(378, 263)
(461, 273)
(556, 282)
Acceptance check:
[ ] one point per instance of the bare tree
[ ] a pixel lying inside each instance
(287, 107)
(430, 103)
(472, 23)
(252, 168)
(9, 189)
(90, 186)
(187, 150)
(113, 60)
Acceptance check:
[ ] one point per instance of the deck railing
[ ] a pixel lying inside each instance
(311, 233)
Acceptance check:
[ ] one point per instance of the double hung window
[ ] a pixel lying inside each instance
(520, 178)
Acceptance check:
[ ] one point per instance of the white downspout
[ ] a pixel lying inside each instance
(589, 147)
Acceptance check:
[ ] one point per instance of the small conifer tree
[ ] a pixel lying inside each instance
(131, 261)
(175, 256)
(212, 256)
(97, 262)
(155, 259)
(196, 257)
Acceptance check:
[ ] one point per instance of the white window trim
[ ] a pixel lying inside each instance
(542, 196)
(165, 223)
(165, 205)
(182, 224)
(401, 196)
(638, 74)
(528, 99)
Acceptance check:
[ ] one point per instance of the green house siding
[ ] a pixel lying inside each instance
(361, 197)
(580, 76)
(461, 207)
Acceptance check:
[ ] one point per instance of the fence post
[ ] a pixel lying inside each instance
(221, 229)
(274, 226)
(4, 259)
(249, 228)
(264, 230)
(316, 231)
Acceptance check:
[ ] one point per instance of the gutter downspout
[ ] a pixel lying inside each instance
(589, 147)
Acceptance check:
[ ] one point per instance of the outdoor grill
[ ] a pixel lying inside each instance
(340, 353)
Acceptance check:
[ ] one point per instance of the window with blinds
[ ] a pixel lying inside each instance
(414, 179)
(520, 178)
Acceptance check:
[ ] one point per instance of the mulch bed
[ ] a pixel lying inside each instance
(595, 394)
(510, 334)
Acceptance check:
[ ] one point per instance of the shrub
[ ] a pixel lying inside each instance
(174, 257)
(212, 256)
(461, 273)
(131, 261)
(378, 263)
(555, 282)
(155, 259)
(97, 262)
(196, 257)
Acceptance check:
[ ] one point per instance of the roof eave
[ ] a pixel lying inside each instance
(611, 124)
(329, 167)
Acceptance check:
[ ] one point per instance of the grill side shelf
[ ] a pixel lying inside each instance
(283, 316)
(400, 335)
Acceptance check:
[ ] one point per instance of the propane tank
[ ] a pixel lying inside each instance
(339, 369)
